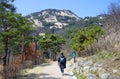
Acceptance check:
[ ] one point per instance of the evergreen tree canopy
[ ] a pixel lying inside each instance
(14, 29)
(85, 37)
(51, 41)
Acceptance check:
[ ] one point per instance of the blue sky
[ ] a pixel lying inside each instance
(82, 8)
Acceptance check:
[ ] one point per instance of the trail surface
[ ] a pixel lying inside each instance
(48, 71)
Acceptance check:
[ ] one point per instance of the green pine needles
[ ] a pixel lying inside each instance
(86, 36)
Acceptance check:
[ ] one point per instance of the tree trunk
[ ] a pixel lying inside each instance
(35, 59)
(23, 50)
(9, 53)
(6, 52)
(5, 59)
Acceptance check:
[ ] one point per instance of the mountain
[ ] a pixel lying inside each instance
(53, 18)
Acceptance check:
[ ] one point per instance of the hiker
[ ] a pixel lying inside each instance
(62, 63)
(74, 55)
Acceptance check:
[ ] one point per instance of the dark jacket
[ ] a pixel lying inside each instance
(63, 64)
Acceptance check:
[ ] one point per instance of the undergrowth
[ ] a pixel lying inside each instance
(78, 75)
(104, 56)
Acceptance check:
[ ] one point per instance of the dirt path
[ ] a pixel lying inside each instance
(48, 71)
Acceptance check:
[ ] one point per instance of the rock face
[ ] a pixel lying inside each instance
(53, 18)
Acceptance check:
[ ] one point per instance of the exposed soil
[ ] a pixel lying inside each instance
(47, 71)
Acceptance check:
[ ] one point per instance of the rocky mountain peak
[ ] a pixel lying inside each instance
(53, 18)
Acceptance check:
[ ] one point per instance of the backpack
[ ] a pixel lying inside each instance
(62, 60)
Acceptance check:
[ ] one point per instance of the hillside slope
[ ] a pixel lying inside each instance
(53, 18)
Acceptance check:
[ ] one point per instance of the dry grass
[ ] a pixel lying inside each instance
(109, 59)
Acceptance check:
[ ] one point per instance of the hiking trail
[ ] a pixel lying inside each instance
(49, 71)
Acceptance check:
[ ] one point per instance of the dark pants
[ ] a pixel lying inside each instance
(62, 68)
(74, 59)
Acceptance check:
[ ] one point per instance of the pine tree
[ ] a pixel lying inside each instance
(14, 30)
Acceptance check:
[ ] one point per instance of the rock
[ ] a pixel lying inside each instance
(112, 76)
(97, 65)
(115, 71)
(80, 61)
(93, 69)
(91, 76)
(88, 63)
(100, 71)
(71, 73)
(86, 69)
(105, 76)
(74, 77)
